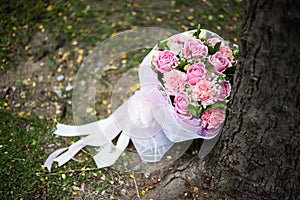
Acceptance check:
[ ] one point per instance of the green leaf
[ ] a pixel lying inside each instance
(200, 111)
(222, 78)
(210, 67)
(235, 51)
(163, 45)
(217, 105)
(193, 110)
(182, 64)
(236, 54)
(217, 47)
(197, 33)
(230, 70)
(211, 50)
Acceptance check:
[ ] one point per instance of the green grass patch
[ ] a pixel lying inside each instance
(90, 22)
(23, 143)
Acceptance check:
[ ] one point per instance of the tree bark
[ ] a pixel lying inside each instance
(257, 156)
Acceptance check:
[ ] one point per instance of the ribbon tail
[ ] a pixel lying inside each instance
(72, 151)
(110, 153)
(67, 130)
(208, 145)
(86, 129)
(50, 159)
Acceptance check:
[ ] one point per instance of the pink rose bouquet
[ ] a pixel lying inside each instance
(196, 73)
(185, 85)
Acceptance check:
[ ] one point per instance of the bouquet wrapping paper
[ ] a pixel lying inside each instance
(150, 118)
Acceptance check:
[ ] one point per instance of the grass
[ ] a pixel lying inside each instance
(22, 147)
(64, 32)
(89, 23)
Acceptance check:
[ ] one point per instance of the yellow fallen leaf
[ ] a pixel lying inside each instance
(131, 176)
(63, 176)
(159, 19)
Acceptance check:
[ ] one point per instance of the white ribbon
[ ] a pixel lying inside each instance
(147, 118)
(134, 119)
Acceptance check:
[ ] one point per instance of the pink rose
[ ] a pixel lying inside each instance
(220, 62)
(226, 51)
(195, 73)
(225, 90)
(181, 102)
(165, 61)
(203, 92)
(195, 49)
(174, 81)
(213, 118)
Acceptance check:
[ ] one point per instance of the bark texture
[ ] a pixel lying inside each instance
(257, 156)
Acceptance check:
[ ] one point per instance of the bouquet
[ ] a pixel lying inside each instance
(196, 74)
(185, 85)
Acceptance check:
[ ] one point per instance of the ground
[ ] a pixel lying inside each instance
(42, 48)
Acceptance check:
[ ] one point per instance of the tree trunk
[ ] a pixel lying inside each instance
(257, 156)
